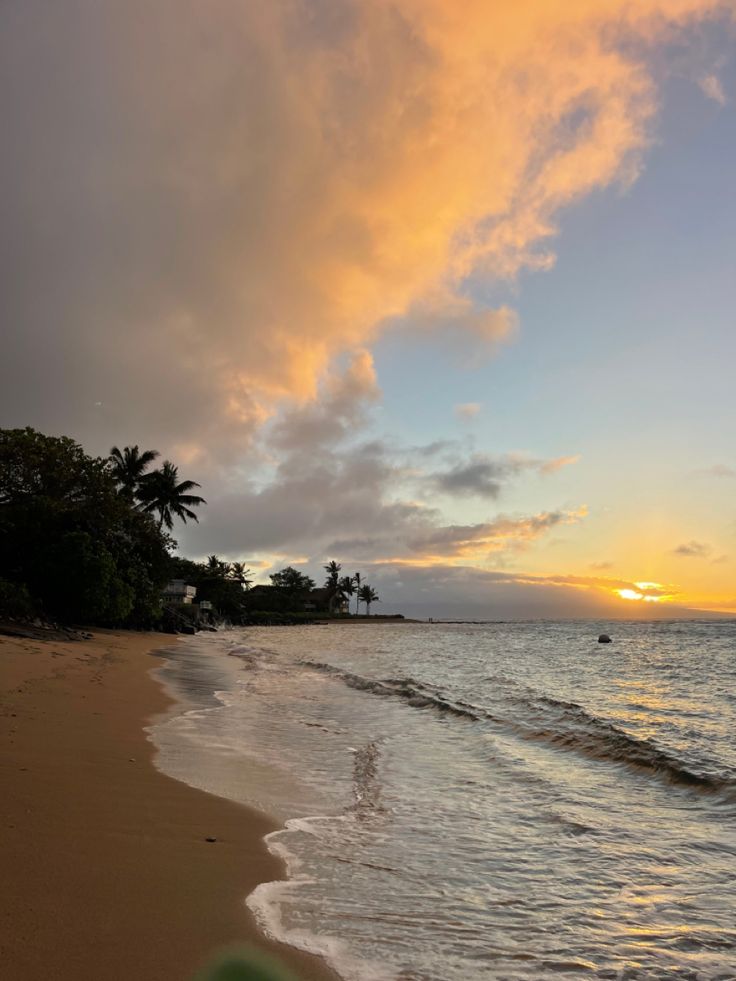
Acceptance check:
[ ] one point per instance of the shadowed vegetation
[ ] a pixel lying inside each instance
(77, 543)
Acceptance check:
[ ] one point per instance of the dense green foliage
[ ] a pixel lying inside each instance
(82, 540)
(291, 582)
(220, 583)
(72, 546)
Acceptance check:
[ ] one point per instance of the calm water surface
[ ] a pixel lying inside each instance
(506, 800)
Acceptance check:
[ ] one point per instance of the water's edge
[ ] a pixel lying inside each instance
(263, 901)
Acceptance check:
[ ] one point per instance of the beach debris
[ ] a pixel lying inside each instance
(604, 639)
(210, 839)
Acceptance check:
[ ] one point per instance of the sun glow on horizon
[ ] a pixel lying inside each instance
(632, 594)
(646, 592)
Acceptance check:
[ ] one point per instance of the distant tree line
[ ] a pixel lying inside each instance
(340, 588)
(228, 586)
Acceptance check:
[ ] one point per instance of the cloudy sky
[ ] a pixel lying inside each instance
(443, 291)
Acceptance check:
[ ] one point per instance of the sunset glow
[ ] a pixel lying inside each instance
(367, 402)
(411, 284)
(632, 594)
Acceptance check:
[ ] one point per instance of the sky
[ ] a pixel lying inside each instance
(442, 291)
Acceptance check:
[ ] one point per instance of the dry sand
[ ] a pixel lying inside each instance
(105, 871)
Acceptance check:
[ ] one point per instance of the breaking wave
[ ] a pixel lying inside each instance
(560, 724)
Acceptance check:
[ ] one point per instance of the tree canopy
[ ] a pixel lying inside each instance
(70, 541)
(291, 582)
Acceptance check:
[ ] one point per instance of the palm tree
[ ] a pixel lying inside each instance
(129, 467)
(368, 595)
(357, 579)
(240, 574)
(331, 582)
(346, 587)
(216, 566)
(163, 492)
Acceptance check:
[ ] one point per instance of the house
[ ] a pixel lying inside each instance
(323, 600)
(177, 592)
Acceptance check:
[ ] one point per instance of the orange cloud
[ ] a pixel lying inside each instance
(421, 141)
(467, 410)
(284, 179)
(481, 541)
(552, 466)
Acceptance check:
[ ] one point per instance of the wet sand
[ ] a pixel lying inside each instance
(106, 871)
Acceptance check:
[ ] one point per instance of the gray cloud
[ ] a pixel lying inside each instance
(502, 534)
(693, 550)
(484, 475)
(316, 496)
(320, 487)
(331, 491)
(333, 418)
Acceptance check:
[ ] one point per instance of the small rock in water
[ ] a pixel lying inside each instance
(604, 639)
(210, 839)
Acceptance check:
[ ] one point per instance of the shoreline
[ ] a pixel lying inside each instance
(107, 870)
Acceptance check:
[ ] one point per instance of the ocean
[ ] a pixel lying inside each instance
(497, 800)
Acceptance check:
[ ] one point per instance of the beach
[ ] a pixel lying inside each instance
(106, 868)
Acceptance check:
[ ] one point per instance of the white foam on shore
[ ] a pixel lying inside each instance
(267, 900)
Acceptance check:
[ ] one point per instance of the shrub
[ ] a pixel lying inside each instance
(15, 600)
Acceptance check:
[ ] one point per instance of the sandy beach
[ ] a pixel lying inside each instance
(106, 867)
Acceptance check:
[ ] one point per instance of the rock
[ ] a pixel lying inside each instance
(604, 639)
(210, 839)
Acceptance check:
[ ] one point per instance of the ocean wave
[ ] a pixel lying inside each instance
(561, 724)
(416, 693)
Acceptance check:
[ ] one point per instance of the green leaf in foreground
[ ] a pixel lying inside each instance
(244, 965)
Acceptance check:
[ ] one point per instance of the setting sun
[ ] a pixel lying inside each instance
(632, 594)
